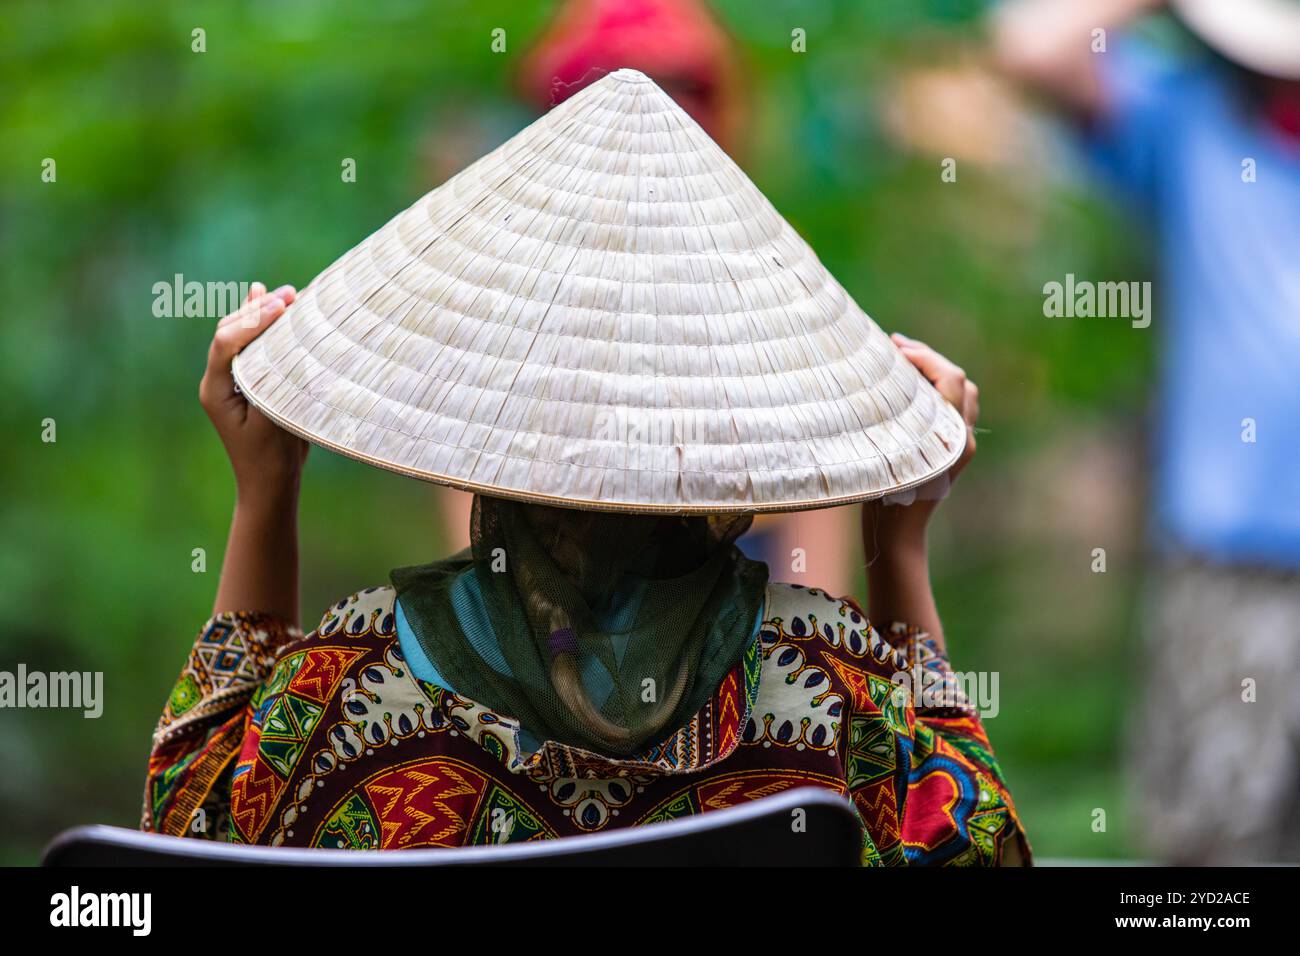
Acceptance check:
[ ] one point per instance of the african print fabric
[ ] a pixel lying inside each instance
(328, 740)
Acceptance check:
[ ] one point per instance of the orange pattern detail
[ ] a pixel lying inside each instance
(321, 671)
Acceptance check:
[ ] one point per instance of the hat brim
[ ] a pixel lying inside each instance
(619, 507)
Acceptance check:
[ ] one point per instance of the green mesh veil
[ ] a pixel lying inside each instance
(612, 629)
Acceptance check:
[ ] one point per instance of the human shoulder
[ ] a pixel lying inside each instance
(369, 611)
(836, 626)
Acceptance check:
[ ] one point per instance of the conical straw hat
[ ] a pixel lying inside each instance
(603, 313)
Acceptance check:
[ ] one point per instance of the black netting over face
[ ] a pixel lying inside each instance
(609, 630)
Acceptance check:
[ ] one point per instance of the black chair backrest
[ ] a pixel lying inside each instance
(803, 827)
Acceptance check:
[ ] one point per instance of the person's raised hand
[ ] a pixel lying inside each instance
(902, 518)
(951, 382)
(266, 459)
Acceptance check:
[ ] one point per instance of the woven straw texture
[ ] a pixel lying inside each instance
(603, 313)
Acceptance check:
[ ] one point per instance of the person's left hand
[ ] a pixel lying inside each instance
(951, 382)
(908, 521)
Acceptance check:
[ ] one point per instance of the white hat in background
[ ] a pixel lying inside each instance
(1261, 35)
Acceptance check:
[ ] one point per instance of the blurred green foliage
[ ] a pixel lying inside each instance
(225, 165)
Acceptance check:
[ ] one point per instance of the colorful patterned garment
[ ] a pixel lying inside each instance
(328, 740)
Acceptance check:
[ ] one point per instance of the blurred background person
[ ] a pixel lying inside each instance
(683, 48)
(1205, 149)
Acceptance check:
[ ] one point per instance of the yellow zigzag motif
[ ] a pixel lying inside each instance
(400, 826)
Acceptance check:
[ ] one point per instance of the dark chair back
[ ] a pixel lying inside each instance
(803, 827)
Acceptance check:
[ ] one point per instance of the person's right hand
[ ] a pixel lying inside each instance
(265, 457)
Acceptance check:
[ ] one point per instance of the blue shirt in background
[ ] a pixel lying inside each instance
(1227, 303)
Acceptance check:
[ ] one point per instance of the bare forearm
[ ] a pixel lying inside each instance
(893, 535)
(259, 573)
(260, 570)
(898, 581)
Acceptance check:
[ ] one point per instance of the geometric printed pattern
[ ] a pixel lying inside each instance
(328, 740)
(505, 818)
(427, 802)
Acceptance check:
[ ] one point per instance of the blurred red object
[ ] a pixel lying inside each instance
(677, 43)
